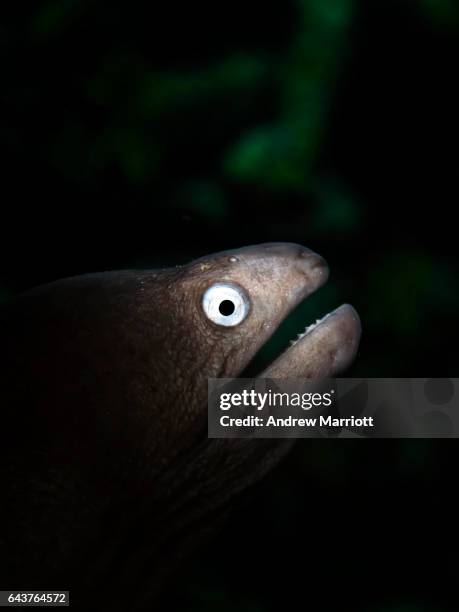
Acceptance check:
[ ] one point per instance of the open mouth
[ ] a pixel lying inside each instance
(325, 348)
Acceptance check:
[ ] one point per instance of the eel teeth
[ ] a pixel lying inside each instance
(308, 329)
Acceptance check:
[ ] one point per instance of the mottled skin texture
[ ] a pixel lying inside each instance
(107, 474)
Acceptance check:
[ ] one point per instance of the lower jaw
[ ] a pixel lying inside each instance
(324, 349)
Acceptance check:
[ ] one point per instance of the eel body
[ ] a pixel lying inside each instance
(107, 475)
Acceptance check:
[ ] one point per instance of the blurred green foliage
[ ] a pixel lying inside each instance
(275, 155)
(280, 155)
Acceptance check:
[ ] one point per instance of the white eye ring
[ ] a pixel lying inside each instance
(225, 304)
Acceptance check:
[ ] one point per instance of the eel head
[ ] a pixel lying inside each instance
(238, 299)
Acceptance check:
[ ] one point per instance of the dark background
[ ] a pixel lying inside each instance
(137, 134)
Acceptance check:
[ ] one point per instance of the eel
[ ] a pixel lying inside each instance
(108, 478)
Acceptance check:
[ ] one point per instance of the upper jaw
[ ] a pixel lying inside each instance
(325, 349)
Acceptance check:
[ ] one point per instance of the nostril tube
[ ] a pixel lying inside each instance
(313, 266)
(304, 252)
(318, 262)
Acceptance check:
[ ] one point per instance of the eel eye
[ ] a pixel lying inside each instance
(225, 304)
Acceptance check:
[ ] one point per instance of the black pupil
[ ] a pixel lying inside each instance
(226, 308)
